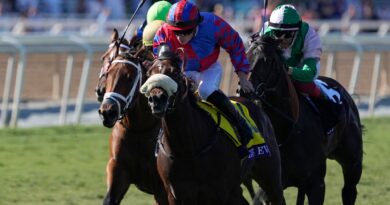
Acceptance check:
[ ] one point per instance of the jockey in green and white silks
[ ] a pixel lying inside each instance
(300, 44)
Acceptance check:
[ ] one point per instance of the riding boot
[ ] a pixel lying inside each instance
(218, 99)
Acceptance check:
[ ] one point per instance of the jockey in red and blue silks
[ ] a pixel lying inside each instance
(201, 35)
(204, 47)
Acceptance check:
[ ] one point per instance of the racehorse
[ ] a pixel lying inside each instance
(134, 129)
(304, 146)
(196, 161)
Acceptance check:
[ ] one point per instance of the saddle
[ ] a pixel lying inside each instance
(256, 146)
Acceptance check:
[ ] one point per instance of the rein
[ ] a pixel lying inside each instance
(171, 106)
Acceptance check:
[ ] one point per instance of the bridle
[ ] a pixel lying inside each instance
(178, 76)
(113, 55)
(267, 84)
(120, 99)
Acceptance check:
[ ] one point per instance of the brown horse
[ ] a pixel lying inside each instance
(134, 133)
(298, 124)
(196, 161)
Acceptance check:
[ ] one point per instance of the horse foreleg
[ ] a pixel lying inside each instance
(315, 185)
(300, 196)
(117, 182)
(249, 186)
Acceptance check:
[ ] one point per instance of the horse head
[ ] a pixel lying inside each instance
(123, 77)
(269, 74)
(166, 83)
(116, 47)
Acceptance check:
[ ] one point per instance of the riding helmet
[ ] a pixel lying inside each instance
(158, 11)
(183, 15)
(285, 17)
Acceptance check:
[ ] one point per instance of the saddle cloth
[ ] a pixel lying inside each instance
(256, 146)
(332, 93)
(331, 110)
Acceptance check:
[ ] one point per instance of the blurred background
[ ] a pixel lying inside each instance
(50, 51)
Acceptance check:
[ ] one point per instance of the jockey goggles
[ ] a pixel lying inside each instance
(183, 32)
(283, 34)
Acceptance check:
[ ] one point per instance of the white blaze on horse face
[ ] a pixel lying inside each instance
(112, 55)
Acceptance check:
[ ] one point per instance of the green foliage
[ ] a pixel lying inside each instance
(66, 166)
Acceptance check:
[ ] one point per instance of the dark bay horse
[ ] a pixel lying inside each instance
(134, 129)
(304, 147)
(196, 161)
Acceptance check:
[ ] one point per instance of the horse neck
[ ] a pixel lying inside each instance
(187, 129)
(139, 117)
(285, 107)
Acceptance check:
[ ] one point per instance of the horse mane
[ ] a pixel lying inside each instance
(265, 48)
(294, 102)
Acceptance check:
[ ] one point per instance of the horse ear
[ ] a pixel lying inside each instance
(182, 55)
(114, 35)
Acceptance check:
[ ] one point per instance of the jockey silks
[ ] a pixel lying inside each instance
(203, 49)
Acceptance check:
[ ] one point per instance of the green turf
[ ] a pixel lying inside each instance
(66, 165)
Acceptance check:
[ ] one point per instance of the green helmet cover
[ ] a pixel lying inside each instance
(158, 11)
(285, 17)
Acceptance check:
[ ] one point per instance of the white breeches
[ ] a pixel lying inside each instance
(208, 80)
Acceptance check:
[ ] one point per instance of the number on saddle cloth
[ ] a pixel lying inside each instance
(332, 94)
(330, 109)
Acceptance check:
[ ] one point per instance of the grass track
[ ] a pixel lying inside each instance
(66, 166)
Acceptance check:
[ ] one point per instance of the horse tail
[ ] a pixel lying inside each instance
(351, 103)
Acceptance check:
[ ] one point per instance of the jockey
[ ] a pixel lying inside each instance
(202, 35)
(301, 47)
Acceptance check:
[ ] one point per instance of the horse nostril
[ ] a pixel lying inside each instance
(153, 99)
